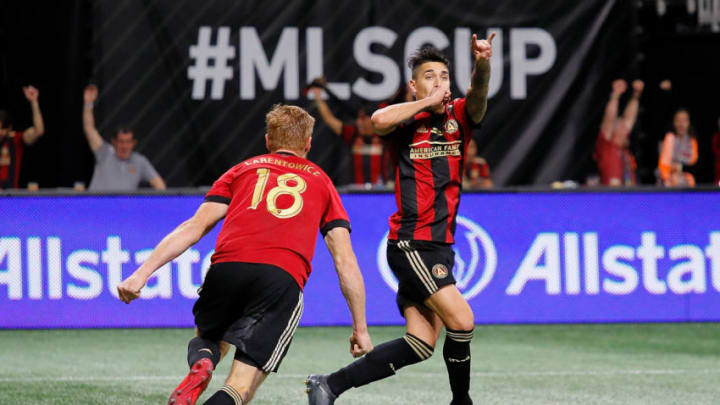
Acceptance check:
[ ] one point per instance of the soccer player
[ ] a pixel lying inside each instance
(429, 136)
(252, 295)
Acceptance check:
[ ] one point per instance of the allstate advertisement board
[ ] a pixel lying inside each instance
(520, 257)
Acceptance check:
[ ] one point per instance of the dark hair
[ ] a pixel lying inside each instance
(122, 130)
(5, 119)
(691, 129)
(426, 54)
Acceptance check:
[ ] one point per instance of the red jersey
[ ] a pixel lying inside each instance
(428, 152)
(277, 203)
(368, 155)
(477, 169)
(11, 149)
(614, 162)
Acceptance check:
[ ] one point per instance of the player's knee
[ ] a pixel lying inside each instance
(429, 337)
(466, 324)
(461, 320)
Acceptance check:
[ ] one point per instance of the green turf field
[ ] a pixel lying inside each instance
(549, 364)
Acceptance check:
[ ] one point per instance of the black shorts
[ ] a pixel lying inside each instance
(421, 269)
(255, 307)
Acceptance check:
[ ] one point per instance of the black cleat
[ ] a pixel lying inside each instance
(318, 390)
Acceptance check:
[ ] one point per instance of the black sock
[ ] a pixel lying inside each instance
(380, 363)
(226, 396)
(456, 353)
(199, 348)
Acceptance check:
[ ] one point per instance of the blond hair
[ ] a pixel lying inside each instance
(288, 127)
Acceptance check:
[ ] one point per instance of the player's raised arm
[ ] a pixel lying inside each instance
(352, 286)
(385, 120)
(480, 79)
(172, 246)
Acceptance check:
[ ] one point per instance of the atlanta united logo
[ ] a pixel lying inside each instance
(451, 126)
(475, 260)
(440, 271)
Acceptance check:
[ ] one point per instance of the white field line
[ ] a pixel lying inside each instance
(504, 374)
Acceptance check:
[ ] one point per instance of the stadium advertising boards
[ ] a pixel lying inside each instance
(520, 257)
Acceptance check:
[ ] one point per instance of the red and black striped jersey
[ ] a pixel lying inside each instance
(11, 150)
(369, 156)
(428, 152)
(277, 203)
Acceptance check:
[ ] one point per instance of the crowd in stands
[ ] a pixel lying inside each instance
(119, 168)
(678, 150)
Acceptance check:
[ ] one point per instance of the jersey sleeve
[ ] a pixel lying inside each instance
(461, 113)
(221, 192)
(335, 215)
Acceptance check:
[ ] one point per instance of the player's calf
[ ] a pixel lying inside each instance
(381, 362)
(199, 348)
(203, 356)
(227, 395)
(456, 352)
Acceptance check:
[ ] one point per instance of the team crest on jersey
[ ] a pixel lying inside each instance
(132, 169)
(451, 126)
(440, 271)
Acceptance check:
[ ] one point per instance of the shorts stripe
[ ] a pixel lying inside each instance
(422, 265)
(418, 271)
(286, 336)
(418, 266)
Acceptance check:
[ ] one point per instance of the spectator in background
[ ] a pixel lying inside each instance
(616, 163)
(716, 152)
(117, 167)
(368, 151)
(13, 142)
(679, 150)
(477, 170)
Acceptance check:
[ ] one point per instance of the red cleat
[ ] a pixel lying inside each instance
(194, 384)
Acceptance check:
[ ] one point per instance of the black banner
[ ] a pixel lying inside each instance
(195, 79)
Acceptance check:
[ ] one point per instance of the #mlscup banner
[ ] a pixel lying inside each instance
(195, 78)
(532, 257)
